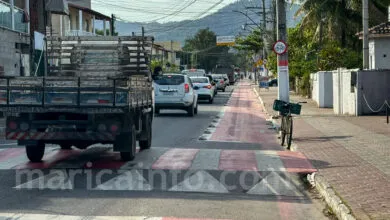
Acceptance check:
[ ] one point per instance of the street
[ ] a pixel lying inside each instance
(240, 172)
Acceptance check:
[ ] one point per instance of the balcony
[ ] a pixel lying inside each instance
(76, 33)
(6, 18)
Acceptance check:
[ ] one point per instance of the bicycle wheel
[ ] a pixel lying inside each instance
(289, 130)
(283, 131)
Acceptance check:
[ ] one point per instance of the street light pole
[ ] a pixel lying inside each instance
(365, 35)
(283, 80)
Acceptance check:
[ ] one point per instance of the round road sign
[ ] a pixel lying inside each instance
(280, 47)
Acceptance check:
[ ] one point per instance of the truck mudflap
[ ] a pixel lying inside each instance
(58, 136)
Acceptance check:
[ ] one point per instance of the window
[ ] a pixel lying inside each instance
(169, 79)
(200, 80)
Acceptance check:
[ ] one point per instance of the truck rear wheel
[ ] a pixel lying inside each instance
(146, 141)
(35, 152)
(127, 142)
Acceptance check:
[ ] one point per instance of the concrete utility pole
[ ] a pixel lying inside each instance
(283, 80)
(365, 35)
(264, 33)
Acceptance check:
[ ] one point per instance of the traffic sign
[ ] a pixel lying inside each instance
(280, 47)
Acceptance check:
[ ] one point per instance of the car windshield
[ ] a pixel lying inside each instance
(200, 80)
(169, 80)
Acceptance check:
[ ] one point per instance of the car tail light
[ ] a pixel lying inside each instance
(12, 125)
(221, 81)
(187, 88)
(207, 87)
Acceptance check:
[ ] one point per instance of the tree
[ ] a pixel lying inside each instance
(339, 20)
(205, 52)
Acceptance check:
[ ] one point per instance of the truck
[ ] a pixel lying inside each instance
(96, 90)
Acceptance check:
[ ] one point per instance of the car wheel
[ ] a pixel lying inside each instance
(156, 111)
(211, 100)
(196, 109)
(191, 111)
(223, 90)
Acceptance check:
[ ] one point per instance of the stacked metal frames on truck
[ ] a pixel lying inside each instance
(90, 81)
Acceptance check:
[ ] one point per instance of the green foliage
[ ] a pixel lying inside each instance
(205, 52)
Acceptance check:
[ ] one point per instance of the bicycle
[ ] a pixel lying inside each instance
(286, 110)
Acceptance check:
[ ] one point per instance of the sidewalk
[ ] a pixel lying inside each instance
(351, 153)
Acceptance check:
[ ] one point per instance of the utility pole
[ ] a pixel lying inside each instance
(365, 35)
(283, 80)
(264, 29)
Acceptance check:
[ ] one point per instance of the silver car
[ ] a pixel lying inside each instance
(175, 91)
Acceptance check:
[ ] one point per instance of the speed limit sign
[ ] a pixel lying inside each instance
(280, 47)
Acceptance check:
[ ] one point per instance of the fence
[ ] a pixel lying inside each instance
(6, 17)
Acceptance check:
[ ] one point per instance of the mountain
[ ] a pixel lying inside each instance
(224, 22)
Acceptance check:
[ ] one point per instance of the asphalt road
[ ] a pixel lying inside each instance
(175, 135)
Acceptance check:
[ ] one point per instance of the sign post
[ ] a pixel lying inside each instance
(280, 48)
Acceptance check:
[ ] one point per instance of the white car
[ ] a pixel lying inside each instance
(175, 91)
(203, 88)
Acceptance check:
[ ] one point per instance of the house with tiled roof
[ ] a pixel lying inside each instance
(379, 44)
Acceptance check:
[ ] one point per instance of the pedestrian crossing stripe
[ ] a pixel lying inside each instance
(102, 157)
(20, 216)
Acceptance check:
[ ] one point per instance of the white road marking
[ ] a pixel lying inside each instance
(129, 180)
(201, 181)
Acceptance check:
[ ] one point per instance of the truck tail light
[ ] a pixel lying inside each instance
(102, 101)
(114, 128)
(186, 88)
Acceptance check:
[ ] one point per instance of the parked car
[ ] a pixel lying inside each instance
(273, 82)
(219, 79)
(204, 89)
(175, 91)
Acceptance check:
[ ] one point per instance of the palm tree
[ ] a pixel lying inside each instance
(339, 19)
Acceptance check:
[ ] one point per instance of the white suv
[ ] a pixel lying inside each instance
(175, 91)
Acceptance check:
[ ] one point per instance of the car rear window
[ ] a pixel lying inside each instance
(199, 80)
(169, 80)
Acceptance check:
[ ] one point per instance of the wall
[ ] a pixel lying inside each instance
(10, 58)
(380, 53)
(373, 89)
(344, 95)
(315, 89)
(322, 90)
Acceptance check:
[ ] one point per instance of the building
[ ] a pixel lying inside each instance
(171, 49)
(80, 20)
(14, 37)
(379, 44)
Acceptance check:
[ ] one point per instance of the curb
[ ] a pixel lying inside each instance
(339, 208)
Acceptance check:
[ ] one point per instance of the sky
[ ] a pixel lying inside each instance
(161, 11)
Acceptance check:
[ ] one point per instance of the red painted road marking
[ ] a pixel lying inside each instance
(110, 160)
(296, 162)
(176, 159)
(11, 153)
(49, 159)
(243, 160)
